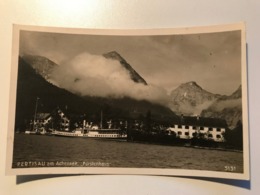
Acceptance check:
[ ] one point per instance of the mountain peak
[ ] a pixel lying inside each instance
(191, 84)
(134, 75)
(114, 55)
(189, 98)
(192, 89)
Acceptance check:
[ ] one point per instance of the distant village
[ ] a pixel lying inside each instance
(185, 127)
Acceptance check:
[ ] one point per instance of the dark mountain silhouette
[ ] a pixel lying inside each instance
(190, 99)
(31, 85)
(134, 75)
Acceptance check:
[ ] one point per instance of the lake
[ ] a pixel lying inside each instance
(44, 151)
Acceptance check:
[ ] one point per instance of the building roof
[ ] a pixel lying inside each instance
(201, 121)
(43, 115)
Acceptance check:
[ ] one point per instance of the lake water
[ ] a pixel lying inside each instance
(42, 151)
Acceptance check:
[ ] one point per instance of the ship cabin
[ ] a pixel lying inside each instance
(188, 127)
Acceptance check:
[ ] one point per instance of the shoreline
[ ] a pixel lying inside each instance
(182, 142)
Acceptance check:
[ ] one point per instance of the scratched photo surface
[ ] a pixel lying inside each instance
(127, 102)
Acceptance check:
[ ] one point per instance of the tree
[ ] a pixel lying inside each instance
(234, 138)
(148, 121)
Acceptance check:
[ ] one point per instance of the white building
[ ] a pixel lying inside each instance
(188, 127)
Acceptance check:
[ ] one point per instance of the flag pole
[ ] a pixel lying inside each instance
(35, 112)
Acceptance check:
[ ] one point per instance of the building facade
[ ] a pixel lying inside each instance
(188, 127)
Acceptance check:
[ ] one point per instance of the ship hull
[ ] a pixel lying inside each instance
(90, 135)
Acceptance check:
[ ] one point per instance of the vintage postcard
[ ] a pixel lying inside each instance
(153, 102)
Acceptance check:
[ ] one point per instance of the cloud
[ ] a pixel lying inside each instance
(169, 60)
(233, 103)
(187, 108)
(94, 75)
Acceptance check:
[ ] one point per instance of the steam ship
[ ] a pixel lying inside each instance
(94, 131)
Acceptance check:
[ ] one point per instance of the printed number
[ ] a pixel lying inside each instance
(230, 168)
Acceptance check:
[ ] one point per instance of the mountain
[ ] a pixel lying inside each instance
(190, 99)
(42, 65)
(134, 75)
(235, 95)
(228, 108)
(31, 85)
(45, 66)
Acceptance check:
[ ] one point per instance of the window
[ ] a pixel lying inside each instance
(179, 126)
(194, 128)
(218, 136)
(210, 129)
(210, 136)
(179, 133)
(201, 128)
(218, 129)
(186, 133)
(186, 127)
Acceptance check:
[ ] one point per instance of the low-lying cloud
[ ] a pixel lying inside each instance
(232, 103)
(95, 75)
(190, 110)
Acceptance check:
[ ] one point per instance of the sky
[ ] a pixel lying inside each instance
(213, 60)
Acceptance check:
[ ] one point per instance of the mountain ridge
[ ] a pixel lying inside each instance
(32, 85)
(227, 107)
(113, 55)
(40, 64)
(189, 98)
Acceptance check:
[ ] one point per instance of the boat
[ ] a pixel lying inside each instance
(86, 130)
(95, 131)
(92, 133)
(40, 131)
(34, 132)
(105, 133)
(28, 132)
(76, 133)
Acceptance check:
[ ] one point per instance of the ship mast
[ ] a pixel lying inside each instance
(35, 113)
(101, 121)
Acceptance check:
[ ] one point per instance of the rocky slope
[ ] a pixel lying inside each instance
(42, 65)
(228, 108)
(190, 99)
(134, 75)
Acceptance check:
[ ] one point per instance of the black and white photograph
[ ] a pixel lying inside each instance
(156, 102)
